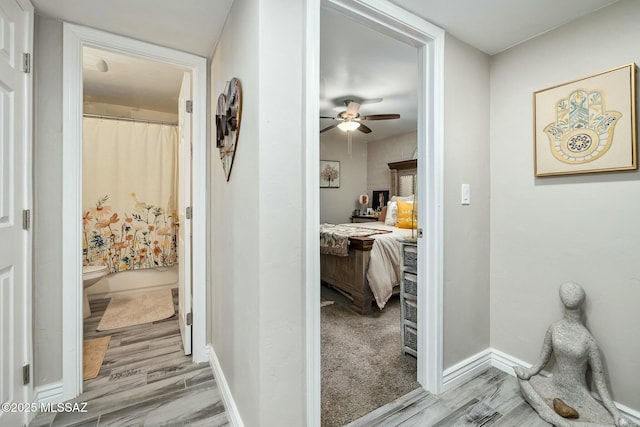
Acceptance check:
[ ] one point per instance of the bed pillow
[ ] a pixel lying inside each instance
(392, 213)
(405, 215)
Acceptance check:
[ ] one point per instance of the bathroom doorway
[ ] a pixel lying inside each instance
(76, 40)
(136, 179)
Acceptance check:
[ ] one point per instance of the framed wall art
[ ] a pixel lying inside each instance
(329, 174)
(586, 125)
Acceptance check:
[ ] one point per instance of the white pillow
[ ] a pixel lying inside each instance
(392, 213)
(402, 198)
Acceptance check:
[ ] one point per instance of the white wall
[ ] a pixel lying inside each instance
(545, 231)
(384, 151)
(257, 323)
(337, 204)
(47, 216)
(466, 228)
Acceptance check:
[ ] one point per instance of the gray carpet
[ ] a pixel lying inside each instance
(362, 365)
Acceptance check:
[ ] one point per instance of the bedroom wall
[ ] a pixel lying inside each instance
(256, 295)
(466, 228)
(384, 151)
(337, 204)
(546, 231)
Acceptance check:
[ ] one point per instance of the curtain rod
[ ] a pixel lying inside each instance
(129, 119)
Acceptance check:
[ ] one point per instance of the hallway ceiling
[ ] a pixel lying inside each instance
(350, 52)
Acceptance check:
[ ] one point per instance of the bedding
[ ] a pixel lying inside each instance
(383, 273)
(381, 265)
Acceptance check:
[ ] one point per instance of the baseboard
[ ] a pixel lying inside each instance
(505, 362)
(227, 398)
(466, 370)
(48, 393)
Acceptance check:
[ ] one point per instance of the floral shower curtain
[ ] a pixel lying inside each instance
(129, 184)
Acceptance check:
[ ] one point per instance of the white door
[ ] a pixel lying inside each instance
(15, 194)
(184, 216)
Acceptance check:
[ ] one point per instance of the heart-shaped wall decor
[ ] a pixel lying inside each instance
(228, 116)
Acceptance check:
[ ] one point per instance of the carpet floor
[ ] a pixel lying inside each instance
(363, 367)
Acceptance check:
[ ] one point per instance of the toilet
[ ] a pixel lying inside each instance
(90, 275)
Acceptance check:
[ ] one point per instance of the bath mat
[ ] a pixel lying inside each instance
(129, 310)
(93, 352)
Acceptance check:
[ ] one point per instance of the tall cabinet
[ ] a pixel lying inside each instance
(409, 298)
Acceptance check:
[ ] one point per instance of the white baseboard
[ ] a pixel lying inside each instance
(466, 370)
(227, 398)
(48, 393)
(505, 362)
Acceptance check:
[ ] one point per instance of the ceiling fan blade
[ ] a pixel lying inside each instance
(381, 117)
(364, 129)
(352, 109)
(327, 117)
(328, 128)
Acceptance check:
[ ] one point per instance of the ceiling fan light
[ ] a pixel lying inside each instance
(348, 126)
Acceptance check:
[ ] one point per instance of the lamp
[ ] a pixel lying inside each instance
(364, 201)
(348, 125)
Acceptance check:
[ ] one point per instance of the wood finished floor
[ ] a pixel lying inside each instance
(490, 399)
(145, 380)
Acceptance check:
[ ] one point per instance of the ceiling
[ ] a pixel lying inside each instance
(130, 81)
(355, 60)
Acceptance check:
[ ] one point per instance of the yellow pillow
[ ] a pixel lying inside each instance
(405, 214)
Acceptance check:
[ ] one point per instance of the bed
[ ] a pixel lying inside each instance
(370, 270)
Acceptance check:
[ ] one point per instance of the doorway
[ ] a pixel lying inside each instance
(364, 362)
(75, 39)
(429, 41)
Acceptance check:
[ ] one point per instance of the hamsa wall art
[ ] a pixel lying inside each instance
(587, 125)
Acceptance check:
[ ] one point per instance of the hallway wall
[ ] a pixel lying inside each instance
(257, 321)
(549, 230)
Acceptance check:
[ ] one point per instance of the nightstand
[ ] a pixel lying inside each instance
(364, 218)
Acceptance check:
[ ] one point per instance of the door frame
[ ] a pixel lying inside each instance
(429, 41)
(74, 38)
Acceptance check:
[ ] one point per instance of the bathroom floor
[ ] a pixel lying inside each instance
(145, 379)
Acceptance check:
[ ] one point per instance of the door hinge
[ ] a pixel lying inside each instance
(26, 374)
(189, 319)
(26, 62)
(188, 213)
(26, 219)
(189, 106)
(420, 233)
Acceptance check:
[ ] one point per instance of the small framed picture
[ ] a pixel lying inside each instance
(329, 174)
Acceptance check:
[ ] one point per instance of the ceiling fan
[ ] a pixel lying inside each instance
(351, 119)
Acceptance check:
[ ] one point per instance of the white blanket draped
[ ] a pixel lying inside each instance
(383, 273)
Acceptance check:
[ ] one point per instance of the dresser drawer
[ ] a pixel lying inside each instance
(410, 338)
(410, 311)
(410, 283)
(410, 254)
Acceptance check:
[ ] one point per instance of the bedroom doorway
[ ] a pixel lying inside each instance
(429, 43)
(75, 39)
(368, 357)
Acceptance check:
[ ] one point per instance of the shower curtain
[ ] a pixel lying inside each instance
(129, 193)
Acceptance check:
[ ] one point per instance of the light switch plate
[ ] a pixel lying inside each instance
(465, 192)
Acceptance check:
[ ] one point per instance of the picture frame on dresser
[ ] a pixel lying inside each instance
(379, 199)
